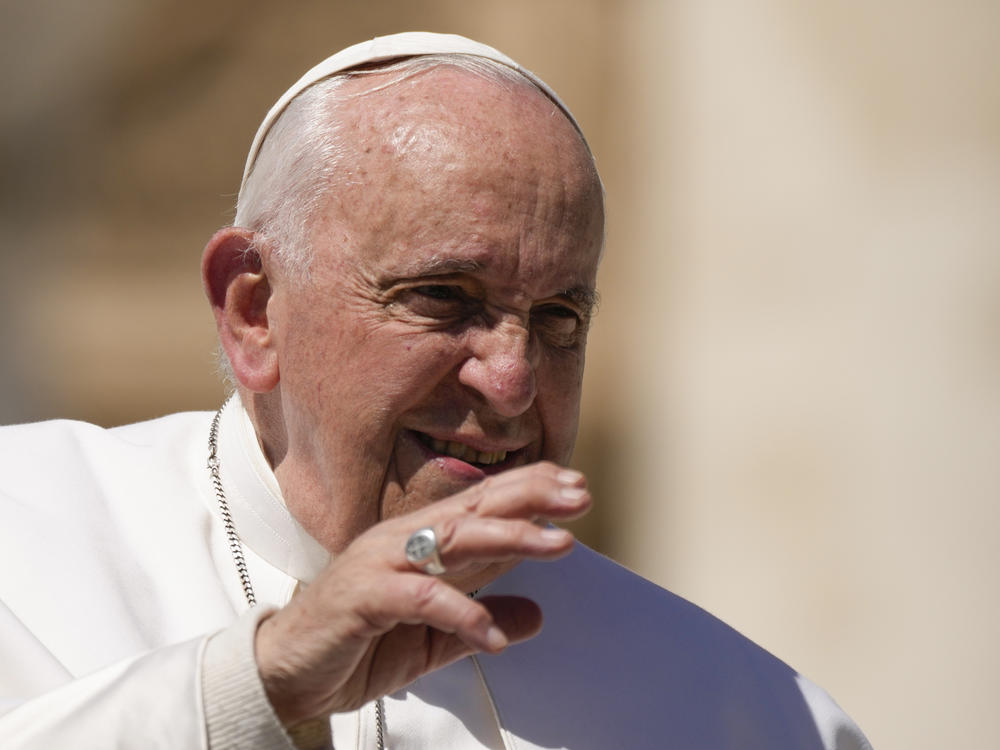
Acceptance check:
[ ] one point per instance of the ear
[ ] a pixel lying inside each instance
(238, 291)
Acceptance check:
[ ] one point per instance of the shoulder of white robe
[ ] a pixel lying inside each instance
(406, 44)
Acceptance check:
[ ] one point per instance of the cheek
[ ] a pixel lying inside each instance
(558, 401)
(562, 371)
(387, 370)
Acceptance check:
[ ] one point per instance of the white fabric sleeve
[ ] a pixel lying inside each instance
(202, 694)
(237, 712)
(151, 701)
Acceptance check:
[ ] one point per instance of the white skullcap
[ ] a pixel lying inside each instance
(383, 48)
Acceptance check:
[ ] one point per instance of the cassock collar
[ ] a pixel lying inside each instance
(262, 519)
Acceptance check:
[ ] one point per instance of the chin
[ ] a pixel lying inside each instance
(421, 491)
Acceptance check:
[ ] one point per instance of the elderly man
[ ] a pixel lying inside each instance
(348, 550)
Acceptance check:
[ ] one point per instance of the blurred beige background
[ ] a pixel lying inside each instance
(792, 412)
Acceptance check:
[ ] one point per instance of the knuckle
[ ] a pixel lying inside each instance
(446, 532)
(425, 591)
(540, 487)
(474, 618)
(511, 537)
(507, 530)
(521, 534)
(524, 531)
(472, 498)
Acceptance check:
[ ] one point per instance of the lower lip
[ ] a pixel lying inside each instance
(459, 468)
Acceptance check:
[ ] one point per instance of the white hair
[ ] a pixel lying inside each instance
(300, 161)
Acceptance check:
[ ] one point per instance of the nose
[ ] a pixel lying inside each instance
(501, 367)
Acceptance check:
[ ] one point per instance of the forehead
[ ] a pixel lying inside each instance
(425, 118)
(449, 166)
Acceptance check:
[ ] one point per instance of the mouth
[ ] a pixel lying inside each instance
(484, 460)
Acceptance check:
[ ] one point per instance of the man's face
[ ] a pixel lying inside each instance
(440, 336)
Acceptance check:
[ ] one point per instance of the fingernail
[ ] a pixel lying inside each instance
(572, 494)
(495, 639)
(555, 535)
(569, 476)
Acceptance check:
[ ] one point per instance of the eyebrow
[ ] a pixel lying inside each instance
(443, 266)
(587, 298)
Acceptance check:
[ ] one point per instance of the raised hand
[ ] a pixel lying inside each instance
(372, 623)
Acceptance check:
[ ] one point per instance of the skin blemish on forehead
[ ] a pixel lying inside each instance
(410, 137)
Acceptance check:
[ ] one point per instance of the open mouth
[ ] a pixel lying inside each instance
(462, 452)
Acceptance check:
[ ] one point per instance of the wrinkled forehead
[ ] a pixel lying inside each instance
(446, 137)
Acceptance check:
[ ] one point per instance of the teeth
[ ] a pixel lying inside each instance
(466, 453)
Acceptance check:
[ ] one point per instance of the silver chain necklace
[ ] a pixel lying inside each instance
(236, 548)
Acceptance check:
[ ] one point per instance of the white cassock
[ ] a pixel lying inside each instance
(123, 623)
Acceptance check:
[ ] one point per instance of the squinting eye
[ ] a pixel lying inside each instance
(556, 313)
(438, 302)
(437, 291)
(559, 322)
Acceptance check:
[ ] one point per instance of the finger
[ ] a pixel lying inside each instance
(469, 539)
(539, 491)
(549, 468)
(563, 474)
(518, 617)
(418, 599)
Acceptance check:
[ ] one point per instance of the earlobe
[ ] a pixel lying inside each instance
(238, 290)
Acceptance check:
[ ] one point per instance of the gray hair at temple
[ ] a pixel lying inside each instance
(299, 161)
